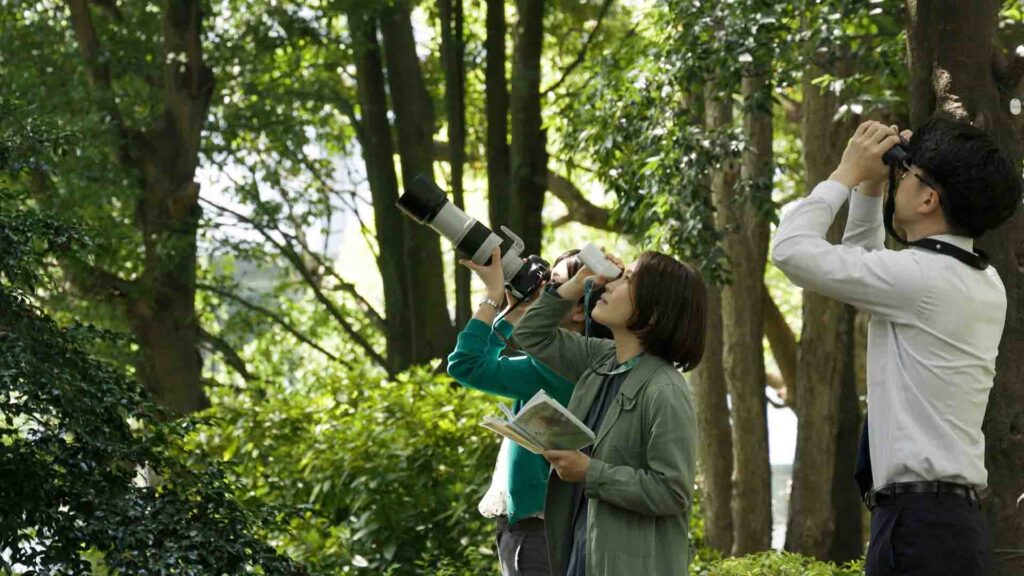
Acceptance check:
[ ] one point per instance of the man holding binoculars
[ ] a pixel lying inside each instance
(937, 315)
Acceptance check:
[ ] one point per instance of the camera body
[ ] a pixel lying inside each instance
(534, 271)
(427, 204)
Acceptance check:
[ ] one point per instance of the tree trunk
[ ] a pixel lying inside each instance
(529, 155)
(783, 345)
(378, 155)
(161, 306)
(743, 322)
(960, 74)
(710, 393)
(825, 355)
(431, 331)
(715, 447)
(499, 156)
(848, 537)
(745, 243)
(453, 51)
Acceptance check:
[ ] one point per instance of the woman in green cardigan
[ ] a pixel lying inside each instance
(621, 507)
(516, 495)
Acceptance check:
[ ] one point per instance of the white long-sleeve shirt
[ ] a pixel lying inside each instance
(932, 340)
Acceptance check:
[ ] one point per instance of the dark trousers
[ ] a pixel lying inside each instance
(523, 548)
(929, 535)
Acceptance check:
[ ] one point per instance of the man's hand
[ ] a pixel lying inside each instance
(875, 188)
(862, 160)
(571, 465)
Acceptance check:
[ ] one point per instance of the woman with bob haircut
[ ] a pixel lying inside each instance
(621, 507)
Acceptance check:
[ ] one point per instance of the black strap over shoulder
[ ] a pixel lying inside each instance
(977, 259)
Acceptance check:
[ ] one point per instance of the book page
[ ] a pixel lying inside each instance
(503, 429)
(552, 426)
(509, 415)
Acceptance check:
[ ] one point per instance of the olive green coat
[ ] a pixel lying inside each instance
(641, 474)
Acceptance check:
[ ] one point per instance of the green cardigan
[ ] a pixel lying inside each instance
(639, 483)
(477, 363)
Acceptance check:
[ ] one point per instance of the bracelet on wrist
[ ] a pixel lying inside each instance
(489, 302)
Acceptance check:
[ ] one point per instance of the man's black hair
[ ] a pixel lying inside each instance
(981, 185)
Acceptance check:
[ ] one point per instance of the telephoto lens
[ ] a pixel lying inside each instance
(426, 203)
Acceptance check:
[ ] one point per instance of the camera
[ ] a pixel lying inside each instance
(426, 203)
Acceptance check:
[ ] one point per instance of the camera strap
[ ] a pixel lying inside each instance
(977, 259)
(588, 289)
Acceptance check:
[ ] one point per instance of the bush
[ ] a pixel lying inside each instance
(381, 476)
(77, 435)
(778, 564)
(74, 437)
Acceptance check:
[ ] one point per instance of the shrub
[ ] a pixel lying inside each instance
(778, 564)
(78, 436)
(381, 475)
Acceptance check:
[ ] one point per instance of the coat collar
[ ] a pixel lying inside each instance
(638, 377)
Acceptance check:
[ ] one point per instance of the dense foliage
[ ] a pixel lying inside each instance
(381, 476)
(779, 564)
(92, 470)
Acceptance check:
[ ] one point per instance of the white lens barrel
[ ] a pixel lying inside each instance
(510, 264)
(452, 223)
(483, 254)
(469, 237)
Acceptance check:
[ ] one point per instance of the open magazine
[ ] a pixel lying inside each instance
(542, 424)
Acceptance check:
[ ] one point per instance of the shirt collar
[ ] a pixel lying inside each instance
(963, 242)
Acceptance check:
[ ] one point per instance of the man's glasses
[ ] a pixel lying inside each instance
(905, 170)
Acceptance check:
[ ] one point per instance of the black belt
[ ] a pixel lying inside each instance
(876, 497)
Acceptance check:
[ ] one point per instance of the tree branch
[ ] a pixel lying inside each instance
(580, 209)
(781, 340)
(89, 46)
(87, 279)
(93, 282)
(99, 75)
(274, 317)
(342, 284)
(231, 358)
(792, 108)
(561, 221)
(583, 51)
(293, 257)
